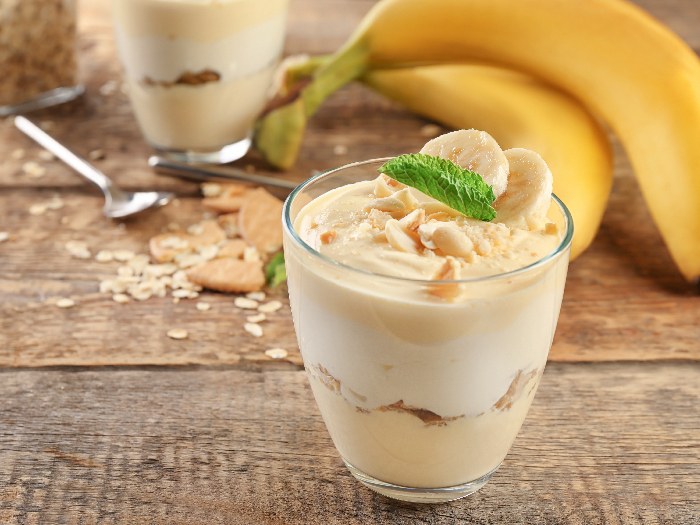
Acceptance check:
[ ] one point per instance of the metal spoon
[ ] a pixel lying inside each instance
(118, 203)
(206, 173)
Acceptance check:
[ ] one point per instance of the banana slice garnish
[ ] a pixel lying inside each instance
(474, 150)
(528, 194)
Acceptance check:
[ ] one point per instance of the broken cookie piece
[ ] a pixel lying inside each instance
(259, 220)
(229, 275)
(228, 200)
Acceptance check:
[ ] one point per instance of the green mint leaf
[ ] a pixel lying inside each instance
(275, 270)
(445, 181)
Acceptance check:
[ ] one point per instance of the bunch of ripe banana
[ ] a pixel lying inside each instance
(608, 54)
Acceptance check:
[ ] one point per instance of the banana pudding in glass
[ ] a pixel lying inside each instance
(198, 71)
(425, 300)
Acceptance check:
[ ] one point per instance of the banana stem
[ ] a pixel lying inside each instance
(279, 132)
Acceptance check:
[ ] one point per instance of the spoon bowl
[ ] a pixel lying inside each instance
(118, 203)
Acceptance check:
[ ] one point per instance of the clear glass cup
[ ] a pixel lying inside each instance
(422, 396)
(37, 54)
(199, 72)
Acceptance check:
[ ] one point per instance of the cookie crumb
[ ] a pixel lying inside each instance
(65, 303)
(4, 236)
(203, 307)
(18, 154)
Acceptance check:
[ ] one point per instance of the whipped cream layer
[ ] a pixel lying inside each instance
(240, 53)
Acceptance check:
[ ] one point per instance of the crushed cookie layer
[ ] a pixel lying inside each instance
(187, 78)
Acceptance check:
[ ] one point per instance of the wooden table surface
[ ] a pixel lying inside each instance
(104, 419)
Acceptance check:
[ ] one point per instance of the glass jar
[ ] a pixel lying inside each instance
(37, 54)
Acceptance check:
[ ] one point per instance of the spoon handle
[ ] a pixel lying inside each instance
(205, 173)
(79, 164)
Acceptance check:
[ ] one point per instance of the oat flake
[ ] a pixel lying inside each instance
(276, 353)
(177, 333)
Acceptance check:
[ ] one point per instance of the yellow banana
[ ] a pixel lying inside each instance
(519, 112)
(639, 76)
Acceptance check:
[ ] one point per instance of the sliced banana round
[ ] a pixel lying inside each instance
(474, 150)
(528, 196)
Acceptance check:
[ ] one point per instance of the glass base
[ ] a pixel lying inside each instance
(439, 495)
(44, 100)
(222, 156)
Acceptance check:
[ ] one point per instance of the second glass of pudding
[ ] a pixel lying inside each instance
(423, 384)
(198, 72)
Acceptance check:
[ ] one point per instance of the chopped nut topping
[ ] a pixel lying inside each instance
(399, 239)
(551, 228)
(327, 237)
(386, 204)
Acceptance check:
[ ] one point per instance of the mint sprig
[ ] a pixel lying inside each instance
(443, 180)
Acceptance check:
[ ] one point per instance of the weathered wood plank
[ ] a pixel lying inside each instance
(604, 443)
(624, 298)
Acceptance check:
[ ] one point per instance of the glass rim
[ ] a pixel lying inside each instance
(289, 229)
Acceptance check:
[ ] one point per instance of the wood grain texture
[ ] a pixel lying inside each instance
(624, 297)
(603, 444)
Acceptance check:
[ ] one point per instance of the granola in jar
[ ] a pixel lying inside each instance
(37, 53)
